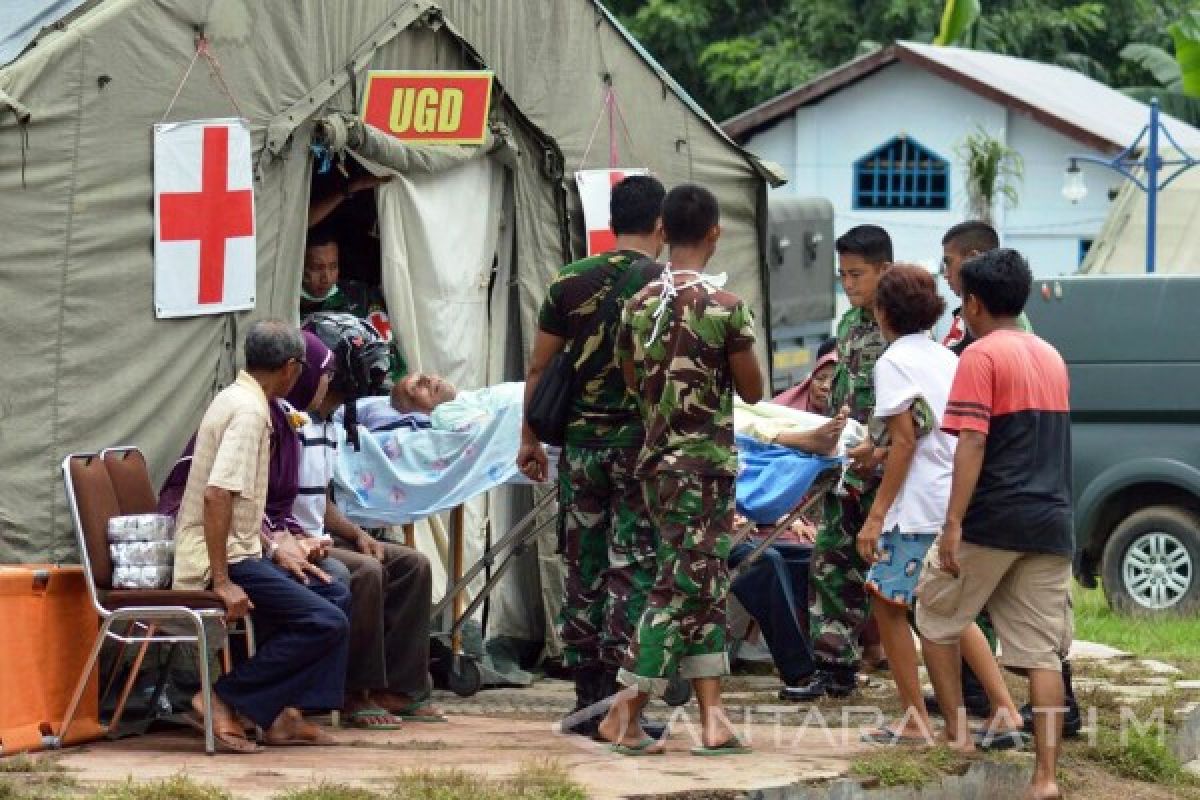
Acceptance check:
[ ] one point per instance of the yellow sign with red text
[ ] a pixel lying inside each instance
(429, 106)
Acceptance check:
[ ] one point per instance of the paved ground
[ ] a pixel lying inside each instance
(493, 745)
(496, 731)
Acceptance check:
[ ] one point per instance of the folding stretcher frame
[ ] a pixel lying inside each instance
(464, 677)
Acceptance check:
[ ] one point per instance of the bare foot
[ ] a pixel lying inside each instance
(629, 735)
(964, 746)
(399, 703)
(1004, 721)
(290, 728)
(1044, 791)
(228, 733)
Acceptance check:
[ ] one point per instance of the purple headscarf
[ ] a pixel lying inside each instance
(283, 481)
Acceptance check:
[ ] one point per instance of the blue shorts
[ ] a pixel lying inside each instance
(894, 576)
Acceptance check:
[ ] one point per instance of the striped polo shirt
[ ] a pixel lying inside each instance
(1012, 387)
(318, 455)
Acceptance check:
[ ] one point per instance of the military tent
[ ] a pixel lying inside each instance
(82, 82)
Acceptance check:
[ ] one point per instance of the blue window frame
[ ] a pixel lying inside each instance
(902, 174)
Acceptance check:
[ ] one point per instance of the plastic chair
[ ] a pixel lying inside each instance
(161, 616)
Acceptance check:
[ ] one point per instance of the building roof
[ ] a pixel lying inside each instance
(1083, 109)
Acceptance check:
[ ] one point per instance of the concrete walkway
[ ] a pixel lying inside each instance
(492, 746)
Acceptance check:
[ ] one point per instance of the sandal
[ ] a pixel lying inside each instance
(643, 748)
(730, 747)
(228, 740)
(888, 736)
(411, 712)
(361, 720)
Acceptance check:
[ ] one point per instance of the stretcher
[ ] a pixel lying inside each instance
(402, 476)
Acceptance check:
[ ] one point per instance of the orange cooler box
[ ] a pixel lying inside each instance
(47, 630)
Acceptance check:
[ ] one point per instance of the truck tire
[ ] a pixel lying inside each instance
(1151, 563)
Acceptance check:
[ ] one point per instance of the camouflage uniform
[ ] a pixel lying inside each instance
(837, 598)
(607, 538)
(688, 464)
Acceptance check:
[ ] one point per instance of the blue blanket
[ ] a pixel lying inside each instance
(773, 479)
(405, 475)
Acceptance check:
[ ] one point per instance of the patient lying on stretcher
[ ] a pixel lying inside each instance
(801, 430)
(423, 400)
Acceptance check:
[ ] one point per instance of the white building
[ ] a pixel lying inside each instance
(879, 138)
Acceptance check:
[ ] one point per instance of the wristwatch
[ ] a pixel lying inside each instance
(272, 550)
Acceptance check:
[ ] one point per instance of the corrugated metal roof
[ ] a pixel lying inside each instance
(1070, 102)
(1064, 93)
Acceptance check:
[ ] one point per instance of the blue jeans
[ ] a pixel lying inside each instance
(768, 590)
(302, 649)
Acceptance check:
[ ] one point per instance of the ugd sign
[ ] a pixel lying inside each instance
(434, 107)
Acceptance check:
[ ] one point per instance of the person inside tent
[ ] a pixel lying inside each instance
(321, 289)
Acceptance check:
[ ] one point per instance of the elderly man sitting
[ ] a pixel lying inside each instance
(301, 661)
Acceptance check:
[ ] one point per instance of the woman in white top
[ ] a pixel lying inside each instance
(912, 384)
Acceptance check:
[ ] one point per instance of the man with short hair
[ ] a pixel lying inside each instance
(391, 585)
(607, 538)
(838, 601)
(686, 345)
(301, 660)
(966, 240)
(1008, 539)
(321, 290)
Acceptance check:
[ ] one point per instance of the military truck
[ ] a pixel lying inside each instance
(1132, 347)
(802, 283)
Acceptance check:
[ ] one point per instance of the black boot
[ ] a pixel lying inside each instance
(583, 720)
(1072, 720)
(824, 683)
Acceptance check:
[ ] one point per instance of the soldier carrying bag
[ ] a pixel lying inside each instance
(550, 406)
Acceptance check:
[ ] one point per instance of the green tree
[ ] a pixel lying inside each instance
(733, 54)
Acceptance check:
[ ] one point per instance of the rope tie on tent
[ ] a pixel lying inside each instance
(610, 107)
(670, 290)
(204, 50)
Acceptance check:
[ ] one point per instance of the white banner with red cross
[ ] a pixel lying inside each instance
(204, 232)
(595, 189)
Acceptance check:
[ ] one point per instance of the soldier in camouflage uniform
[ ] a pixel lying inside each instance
(607, 538)
(686, 344)
(838, 603)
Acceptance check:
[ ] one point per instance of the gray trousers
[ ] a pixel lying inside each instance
(389, 618)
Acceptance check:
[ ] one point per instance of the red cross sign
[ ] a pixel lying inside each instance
(204, 210)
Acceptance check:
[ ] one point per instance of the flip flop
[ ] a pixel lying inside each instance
(360, 720)
(409, 713)
(227, 741)
(1004, 740)
(642, 748)
(890, 737)
(730, 747)
(322, 740)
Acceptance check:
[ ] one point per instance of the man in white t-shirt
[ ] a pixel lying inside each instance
(912, 386)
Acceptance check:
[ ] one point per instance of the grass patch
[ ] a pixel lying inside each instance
(1140, 755)
(537, 781)
(179, 787)
(896, 766)
(25, 764)
(1173, 639)
(331, 791)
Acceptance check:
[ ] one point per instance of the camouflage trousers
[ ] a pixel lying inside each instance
(838, 603)
(683, 627)
(609, 545)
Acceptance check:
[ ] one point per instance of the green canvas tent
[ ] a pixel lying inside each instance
(88, 365)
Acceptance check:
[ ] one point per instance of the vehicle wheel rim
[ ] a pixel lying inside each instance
(1157, 570)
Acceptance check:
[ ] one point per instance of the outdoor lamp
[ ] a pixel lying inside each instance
(1074, 188)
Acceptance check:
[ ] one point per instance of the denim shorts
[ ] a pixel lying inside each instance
(894, 576)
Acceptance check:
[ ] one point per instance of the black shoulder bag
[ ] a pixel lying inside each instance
(550, 406)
